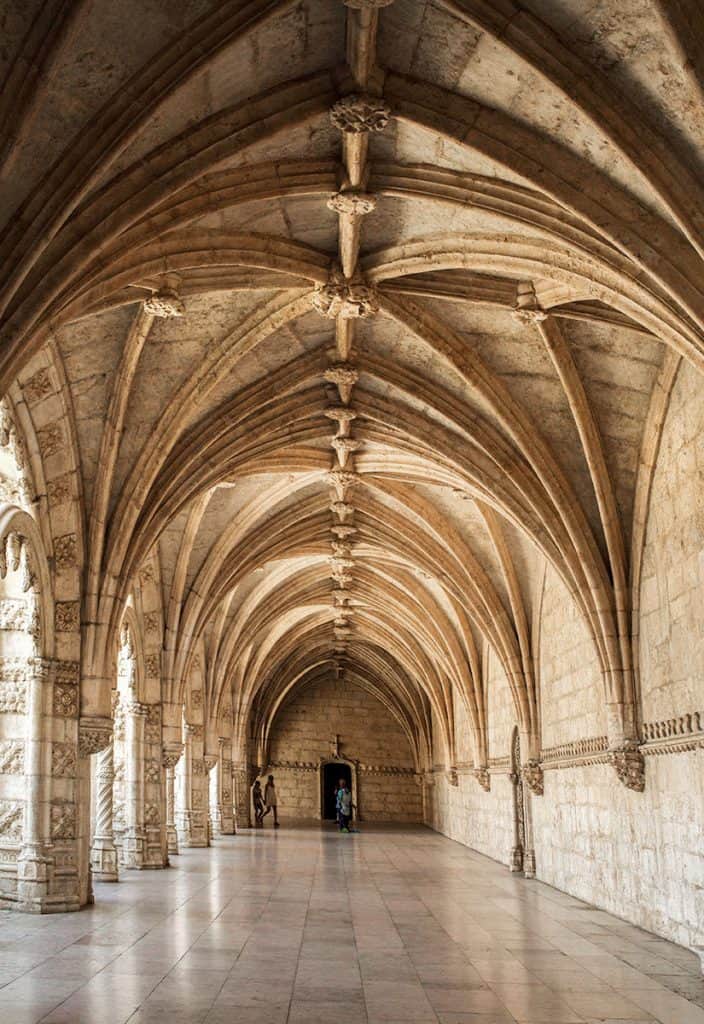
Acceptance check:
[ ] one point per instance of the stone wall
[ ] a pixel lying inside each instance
(638, 855)
(388, 789)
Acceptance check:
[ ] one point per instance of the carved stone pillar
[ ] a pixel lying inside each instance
(211, 773)
(227, 816)
(170, 758)
(35, 867)
(134, 838)
(516, 859)
(103, 851)
(191, 814)
(94, 734)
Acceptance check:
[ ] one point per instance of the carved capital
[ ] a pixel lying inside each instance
(357, 203)
(359, 113)
(166, 303)
(94, 734)
(452, 776)
(629, 765)
(210, 760)
(171, 754)
(483, 777)
(532, 775)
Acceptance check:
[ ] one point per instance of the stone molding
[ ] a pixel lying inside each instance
(365, 769)
(171, 754)
(592, 750)
(674, 735)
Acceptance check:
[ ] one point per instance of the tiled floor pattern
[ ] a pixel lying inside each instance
(312, 927)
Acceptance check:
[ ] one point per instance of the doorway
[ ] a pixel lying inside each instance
(332, 773)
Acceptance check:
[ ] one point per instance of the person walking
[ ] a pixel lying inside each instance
(338, 791)
(258, 800)
(345, 803)
(270, 800)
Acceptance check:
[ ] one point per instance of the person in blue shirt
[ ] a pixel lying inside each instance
(344, 803)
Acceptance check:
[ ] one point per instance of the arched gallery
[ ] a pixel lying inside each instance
(352, 430)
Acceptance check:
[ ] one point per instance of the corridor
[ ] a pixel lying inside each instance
(306, 926)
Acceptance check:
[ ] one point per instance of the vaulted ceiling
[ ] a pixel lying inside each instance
(365, 312)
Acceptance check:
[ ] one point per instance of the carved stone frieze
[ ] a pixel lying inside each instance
(13, 694)
(359, 113)
(152, 728)
(63, 820)
(50, 440)
(151, 622)
(532, 775)
(151, 815)
(152, 665)
(63, 760)
(629, 765)
(198, 766)
(14, 614)
(11, 757)
(94, 734)
(66, 552)
(65, 702)
(67, 617)
(152, 771)
(59, 490)
(37, 387)
(353, 202)
(11, 820)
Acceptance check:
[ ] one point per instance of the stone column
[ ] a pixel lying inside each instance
(516, 861)
(191, 816)
(103, 851)
(211, 768)
(94, 734)
(34, 866)
(134, 840)
(170, 758)
(227, 816)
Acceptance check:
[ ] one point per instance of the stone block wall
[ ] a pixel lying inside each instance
(637, 855)
(369, 736)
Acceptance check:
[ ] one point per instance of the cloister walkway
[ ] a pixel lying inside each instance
(306, 926)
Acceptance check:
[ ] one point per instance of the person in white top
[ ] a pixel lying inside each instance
(270, 800)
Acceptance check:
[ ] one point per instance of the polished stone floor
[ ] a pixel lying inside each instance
(305, 926)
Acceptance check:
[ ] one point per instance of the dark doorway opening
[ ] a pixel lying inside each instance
(332, 773)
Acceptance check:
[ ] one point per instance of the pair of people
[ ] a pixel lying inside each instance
(343, 806)
(265, 803)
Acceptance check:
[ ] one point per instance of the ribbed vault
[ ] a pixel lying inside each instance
(362, 314)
